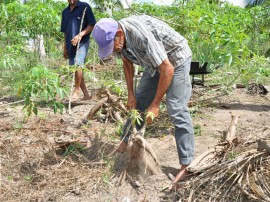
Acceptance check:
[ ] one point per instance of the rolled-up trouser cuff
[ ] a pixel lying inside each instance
(185, 161)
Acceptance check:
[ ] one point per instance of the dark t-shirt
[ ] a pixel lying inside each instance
(71, 22)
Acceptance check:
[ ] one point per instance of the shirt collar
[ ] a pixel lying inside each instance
(77, 5)
(125, 30)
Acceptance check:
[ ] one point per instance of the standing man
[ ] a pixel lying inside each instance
(166, 56)
(74, 35)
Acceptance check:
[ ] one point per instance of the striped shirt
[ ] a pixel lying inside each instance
(150, 41)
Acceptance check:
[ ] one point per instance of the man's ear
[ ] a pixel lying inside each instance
(119, 33)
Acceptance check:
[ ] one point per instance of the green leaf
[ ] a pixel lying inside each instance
(35, 110)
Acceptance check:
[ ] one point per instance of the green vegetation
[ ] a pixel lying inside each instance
(231, 38)
(73, 148)
(197, 130)
(41, 84)
(234, 41)
(136, 117)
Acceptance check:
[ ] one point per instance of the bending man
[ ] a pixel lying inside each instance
(166, 56)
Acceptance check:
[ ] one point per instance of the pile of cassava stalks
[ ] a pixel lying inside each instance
(236, 169)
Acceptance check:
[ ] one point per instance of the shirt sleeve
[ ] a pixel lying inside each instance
(89, 16)
(62, 29)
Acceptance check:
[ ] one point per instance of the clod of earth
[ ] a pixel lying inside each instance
(143, 161)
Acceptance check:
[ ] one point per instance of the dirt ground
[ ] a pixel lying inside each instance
(34, 168)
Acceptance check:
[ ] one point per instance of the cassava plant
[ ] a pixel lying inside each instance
(42, 85)
(135, 117)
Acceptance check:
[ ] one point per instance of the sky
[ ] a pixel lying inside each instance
(238, 3)
(157, 2)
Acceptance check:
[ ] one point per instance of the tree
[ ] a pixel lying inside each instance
(245, 3)
(107, 6)
(254, 2)
(36, 44)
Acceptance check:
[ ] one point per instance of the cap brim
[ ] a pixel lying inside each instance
(106, 51)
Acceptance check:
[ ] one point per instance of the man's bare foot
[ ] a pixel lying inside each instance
(122, 147)
(75, 96)
(86, 98)
(181, 176)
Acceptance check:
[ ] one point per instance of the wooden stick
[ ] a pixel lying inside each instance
(12, 103)
(230, 135)
(73, 78)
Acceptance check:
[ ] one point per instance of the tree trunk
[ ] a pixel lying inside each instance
(36, 44)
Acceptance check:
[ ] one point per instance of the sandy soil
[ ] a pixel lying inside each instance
(33, 168)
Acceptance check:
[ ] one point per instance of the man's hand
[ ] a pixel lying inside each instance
(65, 53)
(76, 40)
(151, 114)
(131, 103)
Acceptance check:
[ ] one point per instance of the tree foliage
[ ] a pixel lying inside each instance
(220, 34)
(108, 6)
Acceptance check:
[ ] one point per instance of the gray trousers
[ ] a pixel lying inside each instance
(177, 97)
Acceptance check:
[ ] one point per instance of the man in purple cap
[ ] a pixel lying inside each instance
(72, 16)
(166, 56)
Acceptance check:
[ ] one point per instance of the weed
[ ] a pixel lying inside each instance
(28, 178)
(197, 130)
(86, 125)
(193, 110)
(106, 175)
(18, 125)
(42, 116)
(119, 128)
(73, 148)
(9, 177)
(231, 155)
(117, 88)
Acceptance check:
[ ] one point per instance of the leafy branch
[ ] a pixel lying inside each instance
(41, 85)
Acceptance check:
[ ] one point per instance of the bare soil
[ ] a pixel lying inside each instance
(34, 166)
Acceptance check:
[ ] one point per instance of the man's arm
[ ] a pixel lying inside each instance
(79, 36)
(65, 53)
(129, 75)
(166, 74)
(87, 30)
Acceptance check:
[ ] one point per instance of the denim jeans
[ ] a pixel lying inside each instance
(82, 53)
(177, 97)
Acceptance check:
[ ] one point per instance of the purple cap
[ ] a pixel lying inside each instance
(104, 33)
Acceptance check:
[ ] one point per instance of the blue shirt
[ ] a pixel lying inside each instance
(71, 22)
